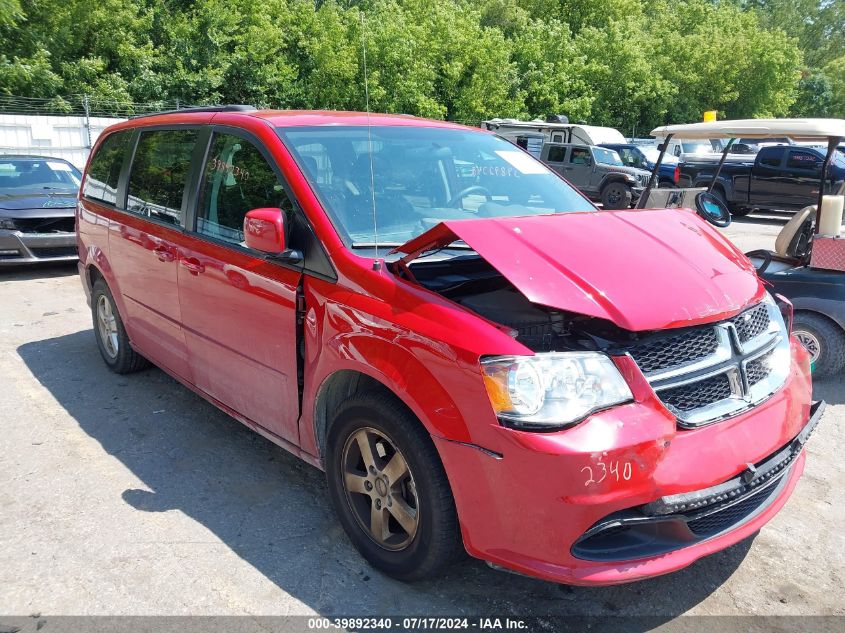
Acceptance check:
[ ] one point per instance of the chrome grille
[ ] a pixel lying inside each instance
(675, 350)
(698, 394)
(751, 323)
(758, 369)
(714, 371)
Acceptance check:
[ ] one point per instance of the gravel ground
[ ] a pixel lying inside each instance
(131, 495)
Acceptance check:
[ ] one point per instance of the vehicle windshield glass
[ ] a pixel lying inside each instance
(652, 153)
(27, 174)
(697, 147)
(416, 177)
(607, 156)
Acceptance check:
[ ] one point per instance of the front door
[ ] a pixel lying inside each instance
(579, 168)
(239, 307)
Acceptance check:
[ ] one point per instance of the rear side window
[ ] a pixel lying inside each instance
(770, 156)
(105, 166)
(803, 160)
(237, 179)
(556, 154)
(159, 170)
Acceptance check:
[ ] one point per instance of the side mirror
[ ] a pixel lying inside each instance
(264, 230)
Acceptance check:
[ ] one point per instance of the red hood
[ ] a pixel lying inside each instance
(643, 270)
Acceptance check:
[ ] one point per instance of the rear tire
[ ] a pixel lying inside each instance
(112, 340)
(741, 212)
(616, 195)
(418, 534)
(823, 339)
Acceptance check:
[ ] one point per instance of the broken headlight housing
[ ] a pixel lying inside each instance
(552, 390)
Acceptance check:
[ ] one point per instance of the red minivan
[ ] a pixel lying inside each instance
(477, 357)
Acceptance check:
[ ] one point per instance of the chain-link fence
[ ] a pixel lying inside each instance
(84, 105)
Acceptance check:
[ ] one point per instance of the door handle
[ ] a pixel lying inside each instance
(164, 254)
(193, 265)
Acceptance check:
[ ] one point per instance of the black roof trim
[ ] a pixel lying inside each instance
(236, 107)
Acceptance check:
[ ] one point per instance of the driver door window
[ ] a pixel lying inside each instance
(580, 156)
(237, 179)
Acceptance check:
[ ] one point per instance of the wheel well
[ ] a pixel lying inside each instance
(93, 275)
(822, 316)
(335, 389)
(609, 180)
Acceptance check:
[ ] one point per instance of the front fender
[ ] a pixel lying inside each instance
(608, 178)
(438, 381)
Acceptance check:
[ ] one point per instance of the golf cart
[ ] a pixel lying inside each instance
(807, 265)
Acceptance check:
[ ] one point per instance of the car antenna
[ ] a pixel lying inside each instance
(377, 261)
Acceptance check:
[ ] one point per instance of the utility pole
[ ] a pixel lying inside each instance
(87, 109)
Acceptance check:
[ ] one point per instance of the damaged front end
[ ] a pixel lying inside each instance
(564, 298)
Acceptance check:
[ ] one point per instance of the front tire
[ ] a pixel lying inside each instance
(616, 195)
(112, 340)
(389, 490)
(823, 339)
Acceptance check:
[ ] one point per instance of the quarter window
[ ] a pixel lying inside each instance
(237, 179)
(159, 170)
(556, 154)
(104, 170)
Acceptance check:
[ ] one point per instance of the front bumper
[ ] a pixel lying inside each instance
(17, 247)
(528, 502)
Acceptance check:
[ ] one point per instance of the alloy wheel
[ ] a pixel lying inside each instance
(810, 342)
(380, 489)
(107, 326)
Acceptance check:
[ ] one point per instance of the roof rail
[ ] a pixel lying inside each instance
(237, 107)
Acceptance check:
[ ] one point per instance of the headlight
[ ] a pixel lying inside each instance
(6, 223)
(554, 390)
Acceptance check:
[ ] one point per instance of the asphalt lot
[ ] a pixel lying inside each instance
(131, 495)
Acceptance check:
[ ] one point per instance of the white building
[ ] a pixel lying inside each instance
(68, 137)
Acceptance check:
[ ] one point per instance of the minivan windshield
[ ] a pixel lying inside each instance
(392, 183)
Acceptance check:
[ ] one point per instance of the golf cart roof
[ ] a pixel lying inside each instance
(796, 129)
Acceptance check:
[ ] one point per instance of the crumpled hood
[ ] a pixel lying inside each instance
(641, 269)
(48, 200)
